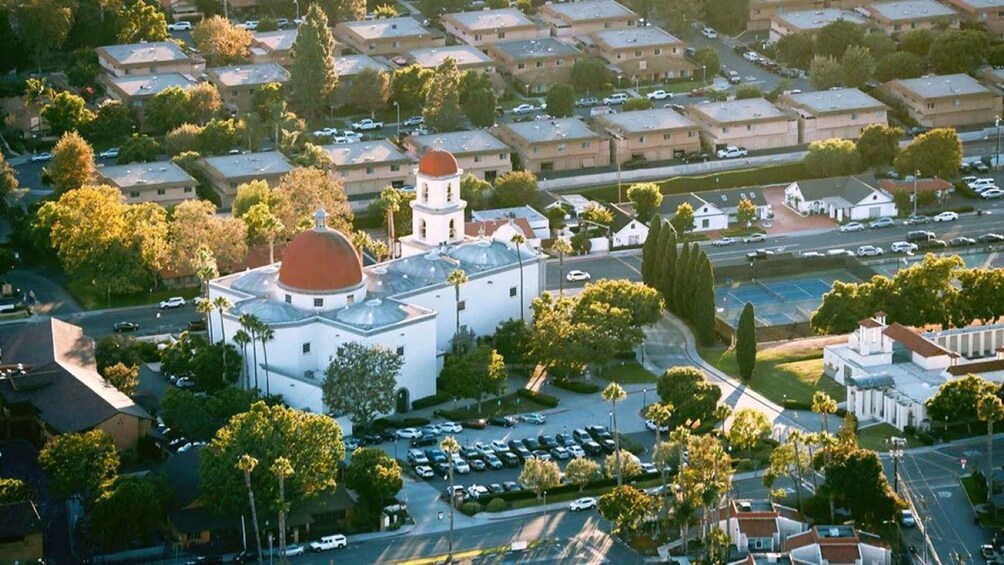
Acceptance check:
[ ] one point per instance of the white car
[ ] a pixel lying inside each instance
(903, 247)
(413, 121)
(574, 276)
(755, 238)
(499, 446)
(576, 450)
(992, 193)
(326, 132)
(41, 157)
(184, 382)
(294, 550)
(533, 417)
(650, 424)
(459, 465)
(367, 125)
(408, 433)
(561, 453)
(751, 56)
(582, 504)
(179, 26)
(906, 518)
(979, 184)
(450, 428)
(173, 302)
(483, 448)
(659, 95)
(724, 242)
(424, 471)
(731, 152)
(250, 25)
(111, 153)
(812, 254)
(329, 542)
(710, 33)
(351, 136)
(851, 226)
(477, 491)
(649, 468)
(869, 251)
(615, 99)
(523, 109)
(946, 217)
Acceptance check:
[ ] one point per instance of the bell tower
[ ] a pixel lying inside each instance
(437, 211)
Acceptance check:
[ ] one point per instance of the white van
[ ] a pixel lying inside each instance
(329, 542)
(982, 183)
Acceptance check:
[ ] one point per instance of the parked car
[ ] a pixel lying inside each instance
(990, 238)
(616, 99)
(576, 450)
(710, 33)
(521, 452)
(564, 440)
(451, 428)
(329, 542)
(413, 121)
(509, 459)
(417, 457)
(424, 471)
(502, 421)
(531, 443)
(424, 441)
(477, 464)
(499, 446)
(731, 152)
(173, 302)
(542, 454)
(477, 491)
(367, 124)
(587, 102)
(582, 504)
(459, 465)
(576, 275)
(533, 417)
(881, 223)
(560, 453)
(408, 433)
(903, 247)
(754, 238)
(179, 26)
(483, 448)
(511, 486)
(475, 423)
(523, 109)
(111, 153)
(724, 241)
(591, 447)
(906, 519)
(649, 468)
(659, 95)
(430, 429)
(962, 241)
(599, 432)
(125, 327)
(946, 217)
(696, 157)
(992, 194)
(917, 220)
(547, 442)
(41, 157)
(851, 227)
(651, 425)
(869, 251)
(493, 461)
(185, 382)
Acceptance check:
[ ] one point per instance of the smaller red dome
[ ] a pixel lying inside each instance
(437, 163)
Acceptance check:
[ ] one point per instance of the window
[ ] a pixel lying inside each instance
(350, 300)
(395, 168)
(462, 305)
(502, 156)
(188, 189)
(666, 136)
(620, 56)
(725, 129)
(690, 133)
(453, 229)
(501, 35)
(930, 105)
(421, 229)
(637, 53)
(749, 127)
(586, 144)
(134, 194)
(395, 44)
(372, 47)
(477, 158)
(539, 64)
(561, 147)
(289, 299)
(606, 25)
(369, 170)
(449, 192)
(641, 139)
(400, 351)
(536, 149)
(160, 192)
(658, 51)
(520, 66)
(559, 63)
(306, 347)
(318, 303)
(512, 291)
(956, 103)
(425, 192)
(477, 37)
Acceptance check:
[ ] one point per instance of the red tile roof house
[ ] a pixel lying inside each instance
(836, 545)
(759, 526)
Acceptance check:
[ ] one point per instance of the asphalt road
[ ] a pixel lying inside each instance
(151, 320)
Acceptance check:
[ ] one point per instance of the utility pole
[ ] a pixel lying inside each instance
(915, 175)
(997, 156)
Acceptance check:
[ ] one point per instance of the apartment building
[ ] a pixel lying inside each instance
(237, 84)
(535, 64)
(654, 135)
(810, 21)
(947, 100)
(347, 67)
(829, 114)
(565, 144)
(467, 58)
(161, 182)
(987, 12)
(754, 124)
(227, 172)
(146, 59)
(906, 15)
(645, 54)
(573, 19)
(762, 12)
(390, 36)
(478, 152)
(368, 167)
(480, 28)
(136, 90)
(274, 46)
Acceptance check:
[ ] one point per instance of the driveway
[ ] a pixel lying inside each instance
(787, 220)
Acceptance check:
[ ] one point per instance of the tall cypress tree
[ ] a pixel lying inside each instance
(649, 251)
(680, 278)
(704, 305)
(746, 342)
(669, 272)
(691, 283)
(312, 75)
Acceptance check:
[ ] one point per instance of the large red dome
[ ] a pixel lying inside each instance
(320, 260)
(438, 163)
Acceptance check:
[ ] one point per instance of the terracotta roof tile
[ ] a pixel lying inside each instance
(473, 229)
(914, 341)
(869, 323)
(837, 554)
(976, 368)
(758, 527)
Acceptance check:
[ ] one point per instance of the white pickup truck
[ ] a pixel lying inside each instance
(328, 542)
(731, 152)
(366, 125)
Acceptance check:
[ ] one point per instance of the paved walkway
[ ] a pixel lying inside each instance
(52, 298)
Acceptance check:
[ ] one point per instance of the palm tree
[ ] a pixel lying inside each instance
(271, 227)
(222, 303)
(243, 338)
(660, 414)
(246, 465)
(824, 405)
(518, 240)
(722, 413)
(562, 248)
(613, 394)
(990, 409)
(450, 446)
(360, 240)
(265, 335)
(457, 278)
(392, 203)
(205, 267)
(205, 307)
(37, 91)
(282, 469)
(250, 324)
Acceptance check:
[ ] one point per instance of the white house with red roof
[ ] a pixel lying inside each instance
(837, 545)
(759, 526)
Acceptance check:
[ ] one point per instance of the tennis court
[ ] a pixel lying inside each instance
(777, 301)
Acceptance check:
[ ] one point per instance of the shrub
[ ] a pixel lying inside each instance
(631, 445)
(538, 397)
(413, 422)
(470, 508)
(438, 398)
(576, 386)
(792, 404)
(926, 438)
(496, 505)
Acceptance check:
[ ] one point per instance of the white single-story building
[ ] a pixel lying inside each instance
(716, 209)
(626, 231)
(840, 198)
(537, 222)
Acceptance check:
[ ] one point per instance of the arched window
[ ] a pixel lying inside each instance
(421, 230)
(425, 192)
(453, 229)
(449, 192)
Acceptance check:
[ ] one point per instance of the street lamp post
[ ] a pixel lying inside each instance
(297, 4)
(644, 398)
(704, 76)
(397, 107)
(453, 504)
(610, 417)
(915, 175)
(635, 77)
(997, 156)
(896, 452)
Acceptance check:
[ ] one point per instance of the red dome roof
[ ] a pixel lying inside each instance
(437, 163)
(320, 259)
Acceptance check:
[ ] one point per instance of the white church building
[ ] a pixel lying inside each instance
(321, 297)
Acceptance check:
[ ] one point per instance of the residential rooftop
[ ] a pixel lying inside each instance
(405, 26)
(281, 40)
(462, 142)
(490, 20)
(250, 164)
(523, 49)
(656, 119)
(751, 109)
(561, 129)
(841, 100)
(145, 174)
(145, 53)
(364, 153)
(817, 19)
(526, 212)
(464, 55)
(636, 37)
(573, 12)
(983, 4)
(905, 10)
(150, 85)
(245, 75)
(354, 64)
(944, 85)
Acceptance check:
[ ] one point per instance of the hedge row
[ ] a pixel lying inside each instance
(599, 483)
(538, 397)
(576, 386)
(412, 422)
(438, 398)
(792, 404)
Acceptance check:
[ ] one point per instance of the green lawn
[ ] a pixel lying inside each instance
(91, 297)
(628, 372)
(785, 373)
(875, 437)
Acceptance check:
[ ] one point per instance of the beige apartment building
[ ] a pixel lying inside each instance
(987, 12)
(368, 167)
(161, 182)
(467, 58)
(947, 100)
(754, 124)
(478, 152)
(480, 28)
(572, 19)
(565, 144)
(645, 54)
(829, 114)
(810, 21)
(762, 12)
(390, 36)
(237, 84)
(906, 15)
(274, 46)
(534, 65)
(227, 172)
(146, 59)
(655, 135)
(136, 90)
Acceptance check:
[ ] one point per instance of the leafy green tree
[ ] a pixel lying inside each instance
(43, 26)
(833, 157)
(590, 74)
(539, 475)
(856, 480)
(646, 197)
(749, 427)
(301, 191)
(113, 120)
(139, 149)
(746, 342)
(936, 153)
(683, 218)
(642, 303)
(114, 519)
(745, 212)
(692, 396)
(339, 11)
(857, 66)
(958, 400)
(825, 72)
(625, 507)
(72, 163)
(480, 107)
(13, 490)
(746, 91)
(476, 192)
(140, 22)
(203, 101)
(834, 38)
(183, 139)
(879, 144)
(917, 41)
(10, 189)
(442, 98)
(471, 81)
(67, 112)
(125, 378)
(222, 42)
(704, 302)
(958, 51)
(598, 214)
(649, 249)
(474, 374)
(512, 341)
(515, 188)
(560, 101)
(167, 110)
(899, 64)
(797, 50)
(408, 87)
(990, 409)
(824, 405)
(634, 104)
(374, 475)
(369, 90)
(360, 382)
(878, 44)
(708, 58)
(312, 75)
(80, 465)
(219, 136)
(679, 15)
(311, 442)
(581, 471)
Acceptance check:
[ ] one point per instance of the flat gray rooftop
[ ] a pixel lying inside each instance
(842, 100)
(462, 142)
(136, 175)
(562, 129)
(530, 213)
(281, 40)
(523, 49)
(364, 153)
(808, 20)
(150, 85)
(638, 121)
(739, 110)
(143, 53)
(405, 26)
(902, 10)
(245, 75)
(943, 86)
(984, 4)
(636, 37)
(266, 163)
(353, 64)
(589, 10)
(490, 19)
(464, 55)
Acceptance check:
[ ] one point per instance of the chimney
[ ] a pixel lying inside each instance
(880, 317)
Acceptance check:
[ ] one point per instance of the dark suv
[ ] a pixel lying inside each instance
(919, 235)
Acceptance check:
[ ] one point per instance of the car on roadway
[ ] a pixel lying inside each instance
(753, 238)
(851, 227)
(294, 550)
(917, 220)
(881, 223)
(946, 217)
(962, 241)
(41, 157)
(534, 418)
(812, 254)
(430, 429)
(576, 276)
(523, 109)
(367, 124)
(869, 251)
(751, 56)
(615, 99)
(408, 433)
(990, 238)
(903, 247)
(650, 424)
(992, 194)
(330, 542)
(413, 121)
(185, 382)
(125, 327)
(502, 421)
(179, 26)
(173, 302)
(731, 152)
(587, 102)
(725, 241)
(649, 468)
(584, 503)
(110, 153)
(710, 33)
(450, 428)
(906, 519)
(920, 236)
(659, 95)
